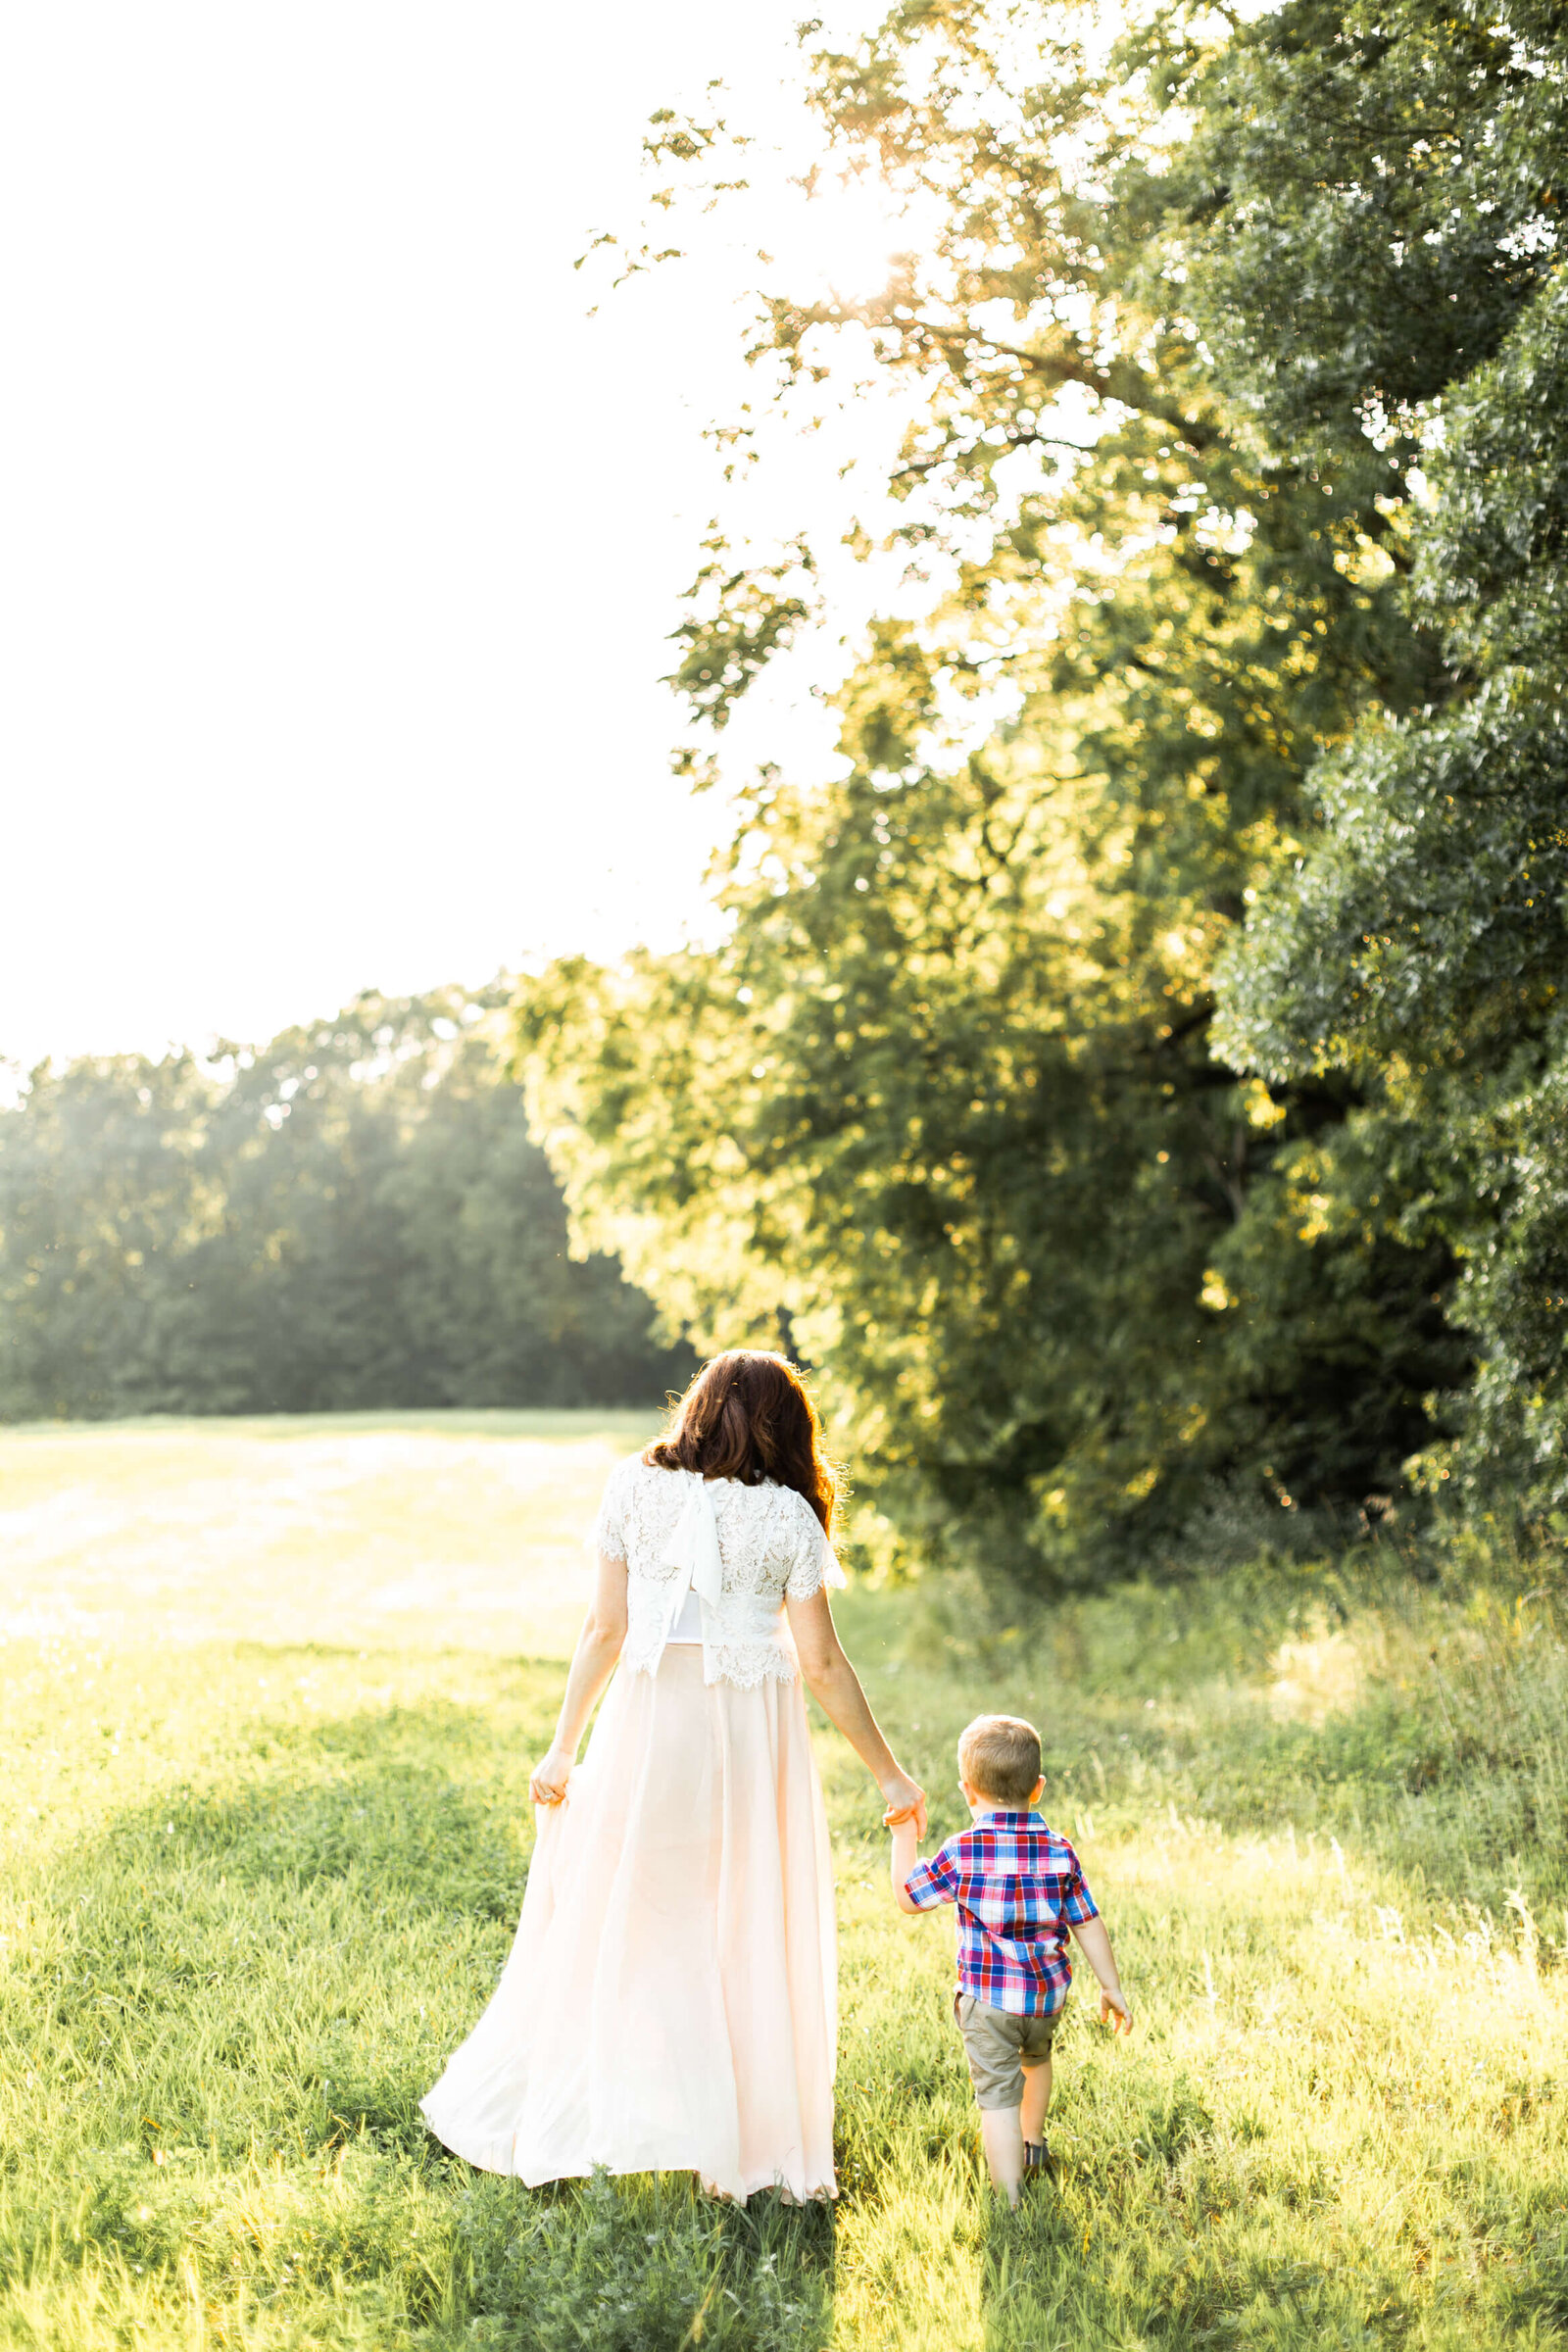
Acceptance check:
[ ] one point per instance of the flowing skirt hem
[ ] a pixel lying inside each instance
(668, 2004)
(500, 2156)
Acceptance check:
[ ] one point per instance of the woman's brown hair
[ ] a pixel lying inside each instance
(747, 1415)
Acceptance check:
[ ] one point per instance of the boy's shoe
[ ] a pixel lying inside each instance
(1037, 2158)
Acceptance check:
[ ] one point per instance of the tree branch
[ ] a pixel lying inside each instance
(1122, 382)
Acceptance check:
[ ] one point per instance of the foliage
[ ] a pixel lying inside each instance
(354, 1216)
(951, 1100)
(1421, 948)
(252, 1896)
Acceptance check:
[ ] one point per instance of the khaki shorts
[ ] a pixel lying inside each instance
(999, 2046)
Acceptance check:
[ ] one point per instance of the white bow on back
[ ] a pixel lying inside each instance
(694, 1548)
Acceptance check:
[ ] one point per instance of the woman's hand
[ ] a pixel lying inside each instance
(905, 1799)
(547, 1782)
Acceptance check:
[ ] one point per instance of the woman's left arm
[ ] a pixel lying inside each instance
(836, 1686)
(593, 1662)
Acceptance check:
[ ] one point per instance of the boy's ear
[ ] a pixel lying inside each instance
(1040, 1790)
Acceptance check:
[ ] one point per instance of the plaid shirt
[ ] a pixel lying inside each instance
(1019, 1887)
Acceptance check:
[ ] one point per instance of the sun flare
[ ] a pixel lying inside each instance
(844, 236)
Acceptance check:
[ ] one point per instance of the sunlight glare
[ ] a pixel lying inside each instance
(842, 238)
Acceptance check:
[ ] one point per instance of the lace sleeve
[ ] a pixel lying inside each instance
(608, 1533)
(815, 1562)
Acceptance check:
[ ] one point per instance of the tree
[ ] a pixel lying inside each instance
(1422, 947)
(354, 1217)
(949, 1098)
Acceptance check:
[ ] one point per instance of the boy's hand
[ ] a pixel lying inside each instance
(1095, 1944)
(905, 1823)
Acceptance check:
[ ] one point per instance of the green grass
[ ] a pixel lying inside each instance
(253, 1891)
(353, 1529)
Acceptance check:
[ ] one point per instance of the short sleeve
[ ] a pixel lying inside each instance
(932, 1882)
(814, 1562)
(1077, 1903)
(608, 1533)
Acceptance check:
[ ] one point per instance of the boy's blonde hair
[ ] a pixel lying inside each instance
(1000, 1756)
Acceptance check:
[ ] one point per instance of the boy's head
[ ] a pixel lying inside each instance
(999, 1761)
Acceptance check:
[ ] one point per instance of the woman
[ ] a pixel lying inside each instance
(670, 2001)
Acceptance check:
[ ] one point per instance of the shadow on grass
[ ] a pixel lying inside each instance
(254, 1977)
(375, 1800)
(644, 2264)
(1128, 2255)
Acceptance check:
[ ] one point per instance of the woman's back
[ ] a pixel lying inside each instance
(772, 1548)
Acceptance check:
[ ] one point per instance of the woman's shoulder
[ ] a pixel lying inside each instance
(785, 1506)
(636, 1470)
(800, 1509)
(636, 1479)
(768, 1498)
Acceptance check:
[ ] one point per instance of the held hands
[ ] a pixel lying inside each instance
(547, 1782)
(905, 1801)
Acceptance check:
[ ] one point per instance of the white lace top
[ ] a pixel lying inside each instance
(770, 1548)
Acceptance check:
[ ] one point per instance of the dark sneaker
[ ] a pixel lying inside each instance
(1037, 2158)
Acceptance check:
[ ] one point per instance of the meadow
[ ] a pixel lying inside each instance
(269, 1694)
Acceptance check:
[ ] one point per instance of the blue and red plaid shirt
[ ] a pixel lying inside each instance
(1019, 1887)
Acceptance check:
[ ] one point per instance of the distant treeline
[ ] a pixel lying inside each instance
(353, 1216)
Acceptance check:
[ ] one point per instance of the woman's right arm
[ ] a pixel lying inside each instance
(593, 1662)
(836, 1686)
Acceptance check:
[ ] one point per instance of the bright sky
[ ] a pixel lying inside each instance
(338, 545)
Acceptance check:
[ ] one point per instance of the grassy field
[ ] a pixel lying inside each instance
(269, 1691)
(345, 1529)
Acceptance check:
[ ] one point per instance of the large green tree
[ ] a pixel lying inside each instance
(353, 1216)
(1421, 950)
(949, 1099)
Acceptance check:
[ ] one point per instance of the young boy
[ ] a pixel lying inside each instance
(1019, 1887)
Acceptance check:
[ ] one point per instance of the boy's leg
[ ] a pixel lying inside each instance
(991, 2044)
(1036, 2099)
(1037, 2041)
(1002, 2135)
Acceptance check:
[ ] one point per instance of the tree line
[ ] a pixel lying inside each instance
(1140, 1082)
(350, 1218)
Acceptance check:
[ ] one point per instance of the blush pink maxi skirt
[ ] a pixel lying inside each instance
(670, 2002)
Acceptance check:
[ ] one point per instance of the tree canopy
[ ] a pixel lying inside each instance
(1134, 1079)
(353, 1216)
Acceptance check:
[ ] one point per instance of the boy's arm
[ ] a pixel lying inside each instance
(1095, 1944)
(905, 1854)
